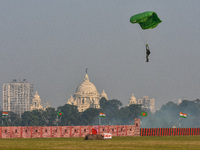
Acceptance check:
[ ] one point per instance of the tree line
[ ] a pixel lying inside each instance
(115, 114)
(166, 117)
(169, 115)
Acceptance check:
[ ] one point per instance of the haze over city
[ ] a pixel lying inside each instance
(51, 43)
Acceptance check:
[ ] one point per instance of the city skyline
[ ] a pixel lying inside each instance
(52, 43)
(86, 96)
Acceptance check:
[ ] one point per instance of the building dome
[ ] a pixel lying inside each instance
(36, 96)
(86, 87)
(132, 99)
(86, 96)
(36, 102)
(103, 94)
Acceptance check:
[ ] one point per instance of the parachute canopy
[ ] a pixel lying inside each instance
(147, 20)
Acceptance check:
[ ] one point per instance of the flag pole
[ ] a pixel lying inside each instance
(179, 124)
(99, 120)
(57, 121)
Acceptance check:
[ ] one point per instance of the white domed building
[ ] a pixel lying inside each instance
(132, 100)
(36, 102)
(86, 96)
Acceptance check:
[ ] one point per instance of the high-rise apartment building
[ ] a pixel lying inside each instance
(17, 96)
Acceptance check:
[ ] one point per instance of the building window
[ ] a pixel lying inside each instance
(16, 130)
(65, 130)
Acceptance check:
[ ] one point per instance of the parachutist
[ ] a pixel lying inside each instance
(146, 20)
(147, 53)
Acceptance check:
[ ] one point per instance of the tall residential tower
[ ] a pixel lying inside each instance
(17, 96)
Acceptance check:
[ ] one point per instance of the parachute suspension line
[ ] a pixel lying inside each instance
(142, 34)
(146, 37)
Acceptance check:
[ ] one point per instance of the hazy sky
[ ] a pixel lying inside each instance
(51, 43)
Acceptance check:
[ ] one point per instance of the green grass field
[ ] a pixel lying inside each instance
(117, 143)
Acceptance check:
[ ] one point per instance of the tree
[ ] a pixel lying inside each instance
(90, 116)
(166, 117)
(110, 108)
(11, 119)
(33, 118)
(26, 118)
(103, 103)
(49, 116)
(70, 115)
(192, 109)
(128, 114)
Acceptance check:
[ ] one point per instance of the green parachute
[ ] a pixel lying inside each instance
(146, 20)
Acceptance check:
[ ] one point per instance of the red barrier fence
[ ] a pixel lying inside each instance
(169, 131)
(68, 131)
